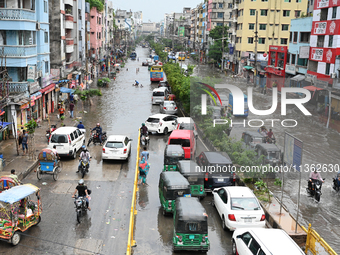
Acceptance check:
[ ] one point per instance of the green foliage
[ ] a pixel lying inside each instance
(278, 182)
(86, 94)
(99, 4)
(122, 65)
(215, 50)
(103, 82)
(31, 126)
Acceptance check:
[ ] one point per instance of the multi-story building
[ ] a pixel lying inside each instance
(110, 12)
(269, 20)
(168, 24)
(96, 37)
(81, 34)
(24, 40)
(137, 23)
(193, 27)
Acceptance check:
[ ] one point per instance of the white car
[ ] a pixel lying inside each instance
(249, 241)
(117, 147)
(238, 207)
(187, 123)
(161, 123)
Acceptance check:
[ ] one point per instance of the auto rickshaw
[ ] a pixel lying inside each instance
(172, 185)
(190, 225)
(7, 182)
(271, 153)
(191, 171)
(251, 138)
(48, 164)
(172, 154)
(18, 211)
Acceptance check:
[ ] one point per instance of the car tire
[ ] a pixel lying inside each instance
(74, 154)
(233, 249)
(165, 131)
(213, 202)
(223, 223)
(15, 238)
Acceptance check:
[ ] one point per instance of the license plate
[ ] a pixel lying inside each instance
(247, 220)
(187, 195)
(220, 180)
(191, 237)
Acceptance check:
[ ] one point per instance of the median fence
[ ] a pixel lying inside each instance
(315, 244)
(133, 211)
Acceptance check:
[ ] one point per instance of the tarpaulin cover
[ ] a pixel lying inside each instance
(312, 88)
(46, 155)
(66, 90)
(17, 193)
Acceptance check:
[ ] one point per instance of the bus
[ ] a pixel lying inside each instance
(230, 106)
(181, 56)
(133, 55)
(156, 73)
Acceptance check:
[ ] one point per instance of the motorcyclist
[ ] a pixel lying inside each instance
(82, 192)
(136, 83)
(84, 155)
(80, 125)
(143, 130)
(313, 177)
(99, 131)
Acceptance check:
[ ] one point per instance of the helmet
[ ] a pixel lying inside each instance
(81, 182)
(143, 124)
(83, 147)
(98, 124)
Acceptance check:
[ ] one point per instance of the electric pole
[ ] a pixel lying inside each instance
(222, 43)
(256, 40)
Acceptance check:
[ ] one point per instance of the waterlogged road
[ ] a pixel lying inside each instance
(320, 146)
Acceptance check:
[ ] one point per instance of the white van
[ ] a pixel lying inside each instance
(68, 141)
(159, 95)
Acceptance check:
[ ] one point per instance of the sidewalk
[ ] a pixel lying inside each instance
(22, 164)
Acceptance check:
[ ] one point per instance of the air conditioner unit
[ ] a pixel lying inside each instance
(333, 75)
(38, 25)
(39, 73)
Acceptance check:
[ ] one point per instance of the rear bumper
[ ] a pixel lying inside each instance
(234, 225)
(114, 157)
(191, 247)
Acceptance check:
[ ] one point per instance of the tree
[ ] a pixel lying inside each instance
(85, 95)
(215, 50)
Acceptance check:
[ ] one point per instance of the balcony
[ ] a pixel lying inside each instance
(235, 7)
(69, 41)
(18, 50)
(17, 87)
(69, 24)
(68, 17)
(17, 14)
(69, 2)
(69, 48)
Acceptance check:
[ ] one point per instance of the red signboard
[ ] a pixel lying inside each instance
(323, 55)
(325, 4)
(327, 27)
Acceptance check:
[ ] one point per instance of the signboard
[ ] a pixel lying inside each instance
(46, 80)
(293, 152)
(320, 28)
(291, 69)
(34, 87)
(323, 54)
(327, 27)
(310, 77)
(30, 73)
(231, 50)
(321, 84)
(304, 52)
(322, 3)
(181, 31)
(317, 54)
(55, 73)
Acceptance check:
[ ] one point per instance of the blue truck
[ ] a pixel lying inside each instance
(133, 55)
(230, 106)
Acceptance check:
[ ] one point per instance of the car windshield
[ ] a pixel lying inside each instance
(158, 94)
(183, 142)
(169, 103)
(245, 203)
(153, 120)
(187, 126)
(273, 155)
(114, 144)
(224, 98)
(57, 138)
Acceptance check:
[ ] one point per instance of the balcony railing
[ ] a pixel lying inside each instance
(18, 50)
(69, 41)
(17, 14)
(68, 17)
(17, 87)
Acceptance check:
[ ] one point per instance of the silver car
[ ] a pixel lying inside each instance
(168, 107)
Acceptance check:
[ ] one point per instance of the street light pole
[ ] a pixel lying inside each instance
(222, 43)
(256, 40)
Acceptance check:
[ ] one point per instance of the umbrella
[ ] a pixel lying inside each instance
(116, 65)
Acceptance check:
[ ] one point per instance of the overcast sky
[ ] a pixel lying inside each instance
(154, 10)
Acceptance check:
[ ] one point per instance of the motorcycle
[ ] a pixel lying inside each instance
(315, 189)
(137, 84)
(144, 140)
(81, 207)
(50, 130)
(95, 138)
(84, 167)
(335, 186)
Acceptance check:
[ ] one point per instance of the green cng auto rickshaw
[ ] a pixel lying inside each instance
(172, 154)
(191, 171)
(190, 225)
(172, 185)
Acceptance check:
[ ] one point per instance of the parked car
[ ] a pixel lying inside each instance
(251, 138)
(159, 95)
(186, 139)
(263, 241)
(68, 140)
(117, 147)
(217, 167)
(168, 107)
(187, 123)
(145, 63)
(161, 123)
(164, 84)
(238, 207)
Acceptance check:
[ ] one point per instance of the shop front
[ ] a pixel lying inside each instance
(36, 106)
(277, 60)
(48, 99)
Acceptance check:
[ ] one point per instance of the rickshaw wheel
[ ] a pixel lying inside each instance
(164, 212)
(78, 216)
(38, 221)
(39, 174)
(15, 238)
(60, 166)
(55, 174)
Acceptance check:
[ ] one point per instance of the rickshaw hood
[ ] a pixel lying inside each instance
(17, 193)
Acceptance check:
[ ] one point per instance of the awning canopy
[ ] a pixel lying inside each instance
(312, 88)
(17, 193)
(47, 89)
(248, 67)
(66, 90)
(4, 126)
(298, 77)
(36, 95)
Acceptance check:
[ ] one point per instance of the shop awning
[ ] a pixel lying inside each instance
(248, 67)
(47, 89)
(36, 95)
(4, 126)
(298, 77)
(66, 90)
(60, 81)
(312, 88)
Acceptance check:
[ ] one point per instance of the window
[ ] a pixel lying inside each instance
(220, 5)
(254, 247)
(264, 12)
(45, 6)
(313, 66)
(252, 12)
(295, 38)
(334, 12)
(321, 41)
(252, 0)
(304, 37)
(214, 5)
(46, 67)
(246, 238)
(330, 41)
(263, 26)
(72, 136)
(297, 14)
(288, 58)
(287, 1)
(285, 27)
(290, 37)
(286, 13)
(251, 26)
(250, 40)
(284, 40)
(293, 59)
(2, 3)
(323, 14)
(298, 1)
(220, 15)
(262, 40)
(46, 37)
(75, 134)
(264, 0)
(302, 61)
(328, 67)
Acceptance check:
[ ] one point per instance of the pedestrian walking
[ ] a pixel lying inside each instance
(145, 154)
(61, 111)
(20, 135)
(71, 109)
(25, 142)
(144, 168)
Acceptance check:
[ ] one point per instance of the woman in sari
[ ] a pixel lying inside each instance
(143, 171)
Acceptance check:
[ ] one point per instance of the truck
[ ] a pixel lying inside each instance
(230, 106)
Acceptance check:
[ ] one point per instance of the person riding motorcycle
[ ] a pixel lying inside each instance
(84, 155)
(136, 83)
(313, 177)
(80, 125)
(143, 130)
(82, 192)
(99, 131)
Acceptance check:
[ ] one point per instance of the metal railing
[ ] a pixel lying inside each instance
(133, 211)
(18, 50)
(17, 14)
(17, 87)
